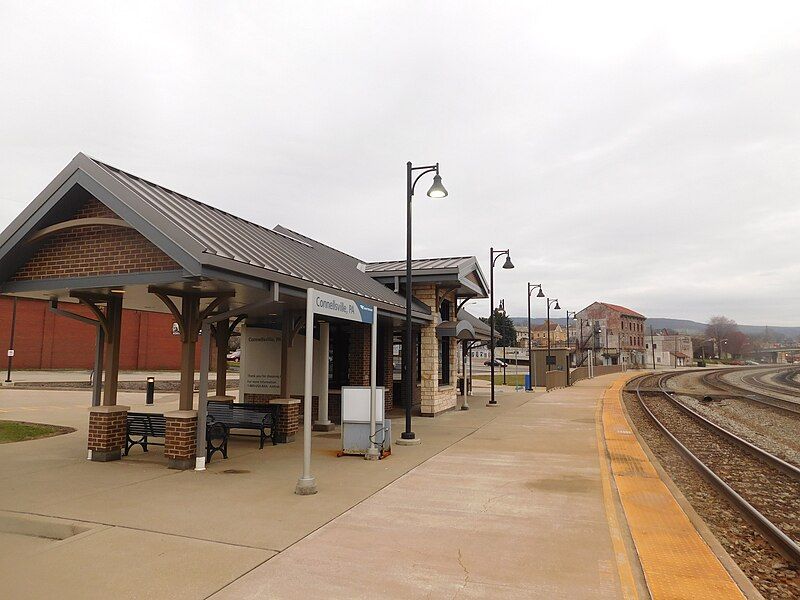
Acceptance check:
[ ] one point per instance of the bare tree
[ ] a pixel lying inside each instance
(720, 329)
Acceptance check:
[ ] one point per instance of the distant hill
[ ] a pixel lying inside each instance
(681, 325)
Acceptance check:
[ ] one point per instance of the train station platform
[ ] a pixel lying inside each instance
(546, 496)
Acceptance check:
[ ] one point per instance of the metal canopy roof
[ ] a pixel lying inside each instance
(203, 240)
(463, 270)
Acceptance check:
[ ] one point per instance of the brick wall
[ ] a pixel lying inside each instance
(388, 368)
(434, 398)
(94, 250)
(44, 340)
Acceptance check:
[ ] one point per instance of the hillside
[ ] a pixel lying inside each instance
(681, 325)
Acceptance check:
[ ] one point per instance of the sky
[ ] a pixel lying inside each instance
(640, 154)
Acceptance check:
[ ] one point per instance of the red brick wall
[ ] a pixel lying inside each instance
(44, 340)
(358, 370)
(94, 250)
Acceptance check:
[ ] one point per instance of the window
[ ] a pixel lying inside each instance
(444, 310)
(444, 361)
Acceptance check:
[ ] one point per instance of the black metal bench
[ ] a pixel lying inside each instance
(141, 427)
(260, 417)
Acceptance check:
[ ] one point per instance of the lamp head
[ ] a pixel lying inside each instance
(540, 294)
(508, 264)
(437, 189)
(557, 307)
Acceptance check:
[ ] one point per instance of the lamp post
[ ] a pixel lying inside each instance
(493, 256)
(556, 307)
(436, 191)
(531, 287)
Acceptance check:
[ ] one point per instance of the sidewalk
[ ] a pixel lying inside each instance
(514, 510)
(496, 502)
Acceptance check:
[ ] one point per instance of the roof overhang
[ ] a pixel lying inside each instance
(466, 277)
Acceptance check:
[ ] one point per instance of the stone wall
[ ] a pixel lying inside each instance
(434, 398)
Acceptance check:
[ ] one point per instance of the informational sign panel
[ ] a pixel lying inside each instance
(260, 361)
(342, 308)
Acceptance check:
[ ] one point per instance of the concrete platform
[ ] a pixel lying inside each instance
(513, 510)
(515, 501)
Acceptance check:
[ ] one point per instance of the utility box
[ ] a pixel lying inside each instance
(355, 420)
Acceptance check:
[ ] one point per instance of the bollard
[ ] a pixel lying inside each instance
(151, 388)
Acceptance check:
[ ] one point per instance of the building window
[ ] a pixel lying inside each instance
(444, 361)
(444, 311)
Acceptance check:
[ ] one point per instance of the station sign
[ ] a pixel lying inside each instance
(342, 308)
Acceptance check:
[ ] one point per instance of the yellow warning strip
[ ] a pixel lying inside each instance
(627, 582)
(676, 561)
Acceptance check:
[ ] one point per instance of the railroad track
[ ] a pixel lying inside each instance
(714, 380)
(761, 486)
(784, 380)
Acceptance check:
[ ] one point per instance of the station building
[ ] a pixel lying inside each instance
(99, 240)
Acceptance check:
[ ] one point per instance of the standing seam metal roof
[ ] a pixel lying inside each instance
(419, 264)
(228, 236)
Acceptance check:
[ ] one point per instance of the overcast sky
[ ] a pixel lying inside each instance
(646, 157)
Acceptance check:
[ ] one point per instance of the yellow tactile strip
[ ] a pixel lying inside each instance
(676, 562)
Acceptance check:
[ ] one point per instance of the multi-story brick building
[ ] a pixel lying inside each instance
(614, 333)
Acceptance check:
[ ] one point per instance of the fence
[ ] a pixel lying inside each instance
(578, 374)
(555, 379)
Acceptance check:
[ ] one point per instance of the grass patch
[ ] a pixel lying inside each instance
(19, 431)
(511, 379)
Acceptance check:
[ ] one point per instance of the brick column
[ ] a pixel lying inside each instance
(388, 369)
(180, 441)
(106, 432)
(288, 419)
(358, 355)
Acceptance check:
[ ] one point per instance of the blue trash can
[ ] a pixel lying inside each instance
(528, 381)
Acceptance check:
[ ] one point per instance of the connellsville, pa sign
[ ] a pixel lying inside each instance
(328, 305)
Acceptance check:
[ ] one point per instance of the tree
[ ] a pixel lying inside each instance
(505, 327)
(720, 329)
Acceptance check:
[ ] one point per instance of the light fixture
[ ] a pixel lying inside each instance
(437, 189)
(557, 307)
(508, 264)
(540, 294)
(117, 291)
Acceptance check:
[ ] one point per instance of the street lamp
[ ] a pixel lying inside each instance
(493, 256)
(531, 287)
(436, 191)
(556, 307)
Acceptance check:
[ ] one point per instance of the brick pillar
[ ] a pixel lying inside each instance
(358, 355)
(388, 369)
(106, 432)
(288, 419)
(180, 441)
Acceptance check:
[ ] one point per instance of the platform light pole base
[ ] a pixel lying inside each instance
(415, 441)
(326, 426)
(492, 404)
(465, 407)
(306, 487)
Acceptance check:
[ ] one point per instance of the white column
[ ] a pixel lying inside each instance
(323, 423)
(307, 484)
(202, 402)
(372, 452)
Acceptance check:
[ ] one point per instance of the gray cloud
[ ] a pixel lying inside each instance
(645, 158)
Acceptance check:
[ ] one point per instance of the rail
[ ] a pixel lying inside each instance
(782, 542)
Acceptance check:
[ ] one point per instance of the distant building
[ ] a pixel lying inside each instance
(668, 348)
(614, 333)
(558, 335)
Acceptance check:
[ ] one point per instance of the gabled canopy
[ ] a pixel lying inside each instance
(205, 243)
